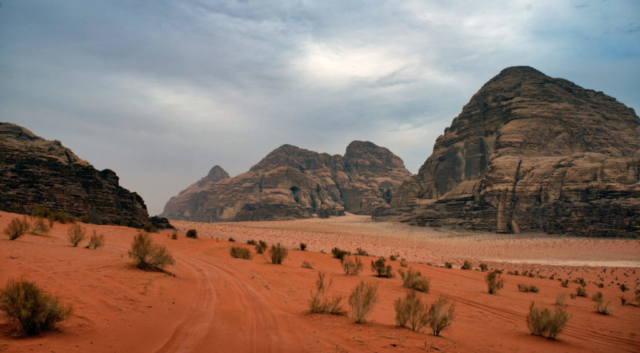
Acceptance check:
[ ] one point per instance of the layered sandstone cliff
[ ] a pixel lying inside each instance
(530, 152)
(36, 171)
(291, 182)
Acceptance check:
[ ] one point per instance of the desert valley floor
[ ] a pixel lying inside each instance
(218, 303)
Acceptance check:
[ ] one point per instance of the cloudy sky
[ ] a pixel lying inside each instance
(160, 91)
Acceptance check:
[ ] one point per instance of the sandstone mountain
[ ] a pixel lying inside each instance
(291, 182)
(36, 171)
(531, 152)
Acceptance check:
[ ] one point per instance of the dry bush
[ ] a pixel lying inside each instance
(448, 265)
(277, 253)
(321, 303)
(403, 264)
(494, 282)
(192, 233)
(564, 283)
(150, 228)
(414, 280)
(303, 246)
(381, 268)
(466, 265)
(238, 252)
(39, 227)
(362, 300)
(16, 228)
(597, 297)
(96, 241)
(52, 216)
(561, 299)
(440, 317)
(75, 234)
(525, 288)
(174, 236)
(541, 322)
(393, 257)
(149, 256)
(361, 252)
(581, 292)
(351, 267)
(306, 264)
(31, 307)
(252, 242)
(231, 240)
(602, 308)
(339, 254)
(410, 310)
(624, 288)
(261, 247)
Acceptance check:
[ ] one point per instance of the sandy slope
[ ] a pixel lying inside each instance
(216, 303)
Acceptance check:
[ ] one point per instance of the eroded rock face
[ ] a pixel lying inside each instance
(531, 152)
(36, 171)
(292, 182)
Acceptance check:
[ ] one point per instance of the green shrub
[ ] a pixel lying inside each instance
(410, 310)
(379, 266)
(351, 267)
(16, 228)
(75, 234)
(238, 252)
(541, 322)
(192, 233)
(96, 241)
(440, 317)
(561, 299)
(39, 227)
(581, 292)
(278, 253)
(362, 300)
(149, 256)
(494, 282)
(484, 267)
(303, 246)
(321, 303)
(150, 228)
(466, 265)
(31, 307)
(414, 280)
(339, 254)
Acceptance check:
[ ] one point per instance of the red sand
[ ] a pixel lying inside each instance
(216, 303)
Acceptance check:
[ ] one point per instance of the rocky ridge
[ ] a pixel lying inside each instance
(36, 171)
(292, 182)
(530, 152)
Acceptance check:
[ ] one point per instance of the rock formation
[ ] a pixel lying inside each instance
(36, 171)
(530, 152)
(291, 182)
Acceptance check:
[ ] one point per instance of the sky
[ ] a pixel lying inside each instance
(161, 91)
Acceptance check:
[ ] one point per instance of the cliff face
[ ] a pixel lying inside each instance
(531, 152)
(291, 182)
(36, 171)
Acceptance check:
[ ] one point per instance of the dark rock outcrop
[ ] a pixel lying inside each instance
(291, 183)
(160, 222)
(530, 152)
(36, 171)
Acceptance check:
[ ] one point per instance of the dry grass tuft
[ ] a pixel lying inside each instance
(466, 265)
(602, 307)
(306, 264)
(321, 303)
(96, 241)
(440, 317)
(494, 282)
(75, 234)
(541, 322)
(39, 227)
(414, 280)
(381, 268)
(351, 267)
(561, 299)
(278, 253)
(16, 228)
(411, 311)
(581, 292)
(238, 252)
(528, 288)
(362, 300)
(149, 256)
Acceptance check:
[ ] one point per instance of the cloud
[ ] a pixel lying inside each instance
(160, 91)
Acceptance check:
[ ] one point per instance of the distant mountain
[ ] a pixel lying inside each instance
(36, 171)
(291, 182)
(530, 152)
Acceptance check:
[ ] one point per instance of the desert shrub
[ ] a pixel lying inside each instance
(362, 300)
(448, 265)
(96, 241)
(564, 283)
(261, 247)
(150, 228)
(414, 280)
(361, 252)
(403, 264)
(39, 227)
(320, 302)
(525, 288)
(174, 236)
(303, 246)
(561, 299)
(381, 268)
(498, 271)
(192, 233)
(572, 295)
(484, 267)
(623, 300)
(149, 256)
(339, 254)
(231, 240)
(440, 317)
(624, 288)
(16, 228)
(494, 282)
(581, 292)
(597, 297)
(602, 307)
(541, 322)
(238, 252)
(252, 242)
(351, 267)
(53, 216)
(277, 253)
(466, 265)
(600, 285)
(31, 307)
(75, 234)
(580, 281)
(306, 264)
(410, 310)
(393, 257)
